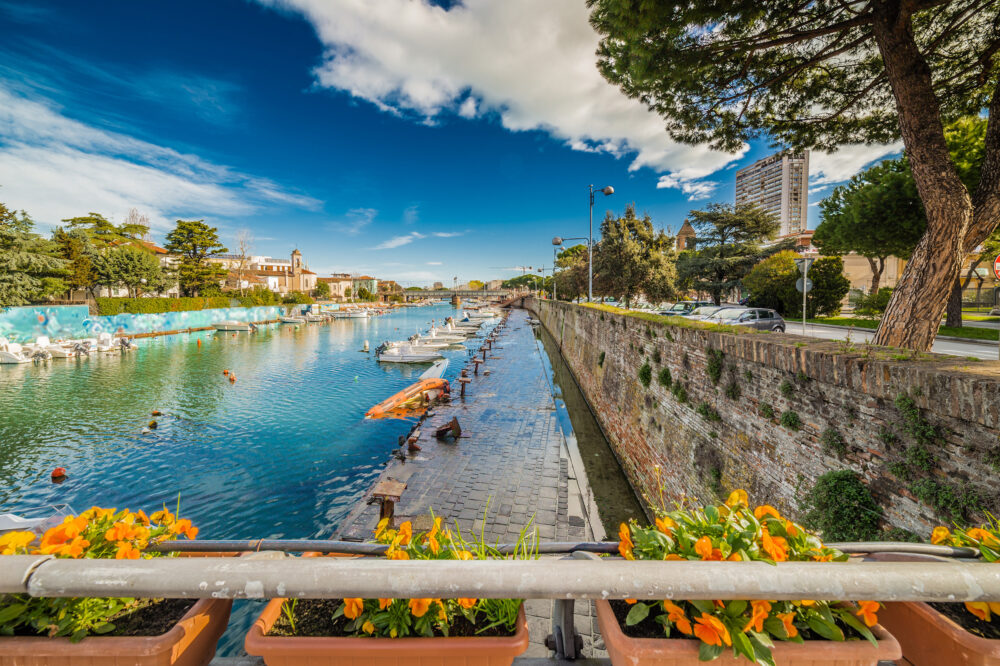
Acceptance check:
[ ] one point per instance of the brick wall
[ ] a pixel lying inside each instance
(852, 392)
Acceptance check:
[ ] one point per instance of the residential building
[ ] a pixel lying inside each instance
(341, 286)
(366, 282)
(389, 288)
(279, 275)
(494, 285)
(780, 185)
(439, 285)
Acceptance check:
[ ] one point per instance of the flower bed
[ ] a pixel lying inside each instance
(758, 630)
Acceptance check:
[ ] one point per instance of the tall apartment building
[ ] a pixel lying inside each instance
(780, 185)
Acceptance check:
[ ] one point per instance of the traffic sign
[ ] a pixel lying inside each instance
(809, 285)
(996, 267)
(804, 265)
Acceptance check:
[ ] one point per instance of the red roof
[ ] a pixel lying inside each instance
(156, 249)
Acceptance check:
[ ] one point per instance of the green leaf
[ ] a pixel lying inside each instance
(712, 514)
(104, 628)
(736, 608)
(853, 622)
(763, 654)
(763, 638)
(824, 628)
(704, 605)
(742, 645)
(708, 652)
(637, 614)
(10, 612)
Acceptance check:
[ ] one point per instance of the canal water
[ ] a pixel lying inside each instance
(284, 452)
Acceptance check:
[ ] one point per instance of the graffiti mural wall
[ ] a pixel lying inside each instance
(59, 322)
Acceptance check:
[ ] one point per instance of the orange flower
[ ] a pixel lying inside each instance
(786, 619)
(775, 547)
(982, 609)
(12, 542)
(665, 525)
(735, 557)
(983, 536)
(823, 558)
(790, 529)
(97, 512)
(419, 607)
(405, 533)
(737, 498)
(631, 601)
(353, 608)
(67, 530)
(673, 556)
(184, 527)
(940, 534)
(711, 630)
(73, 548)
(120, 531)
(384, 603)
(760, 611)
(143, 518)
(866, 611)
(464, 555)
(625, 544)
(805, 602)
(433, 544)
(397, 555)
(163, 517)
(368, 627)
(126, 551)
(676, 615)
(467, 603)
(703, 547)
(766, 510)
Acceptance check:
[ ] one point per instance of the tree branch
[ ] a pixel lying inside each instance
(986, 199)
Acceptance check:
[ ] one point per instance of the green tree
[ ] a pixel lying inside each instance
(823, 74)
(632, 259)
(476, 284)
(771, 284)
(30, 266)
(364, 294)
(322, 291)
(526, 281)
(571, 278)
(877, 215)
(103, 233)
(130, 267)
(79, 252)
(727, 245)
(195, 241)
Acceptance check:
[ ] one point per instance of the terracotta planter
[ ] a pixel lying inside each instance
(191, 642)
(684, 652)
(930, 638)
(351, 651)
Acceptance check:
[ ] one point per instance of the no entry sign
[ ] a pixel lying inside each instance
(996, 267)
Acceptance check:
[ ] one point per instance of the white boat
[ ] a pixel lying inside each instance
(232, 325)
(292, 319)
(405, 354)
(11, 352)
(312, 316)
(436, 371)
(423, 343)
(451, 336)
(45, 346)
(351, 314)
(481, 314)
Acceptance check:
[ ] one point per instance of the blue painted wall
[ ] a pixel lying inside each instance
(24, 324)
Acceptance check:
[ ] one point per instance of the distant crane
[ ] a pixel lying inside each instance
(523, 269)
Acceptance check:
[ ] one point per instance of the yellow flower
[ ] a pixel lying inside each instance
(398, 555)
(381, 527)
(419, 607)
(368, 627)
(353, 608)
(405, 533)
(143, 518)
(766, 510)
(737, 498)
(464, 555)
(980, 609)
(163, 517)
(12, 542)
(665, 524)
(467, 603)
(983, 536)
(433, 544)
(940, 534)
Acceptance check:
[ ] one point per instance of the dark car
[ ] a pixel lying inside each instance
(759, 318)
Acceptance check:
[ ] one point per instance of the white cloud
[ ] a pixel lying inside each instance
(354, 221)
(435, 263)
(696, 190)
(531, 63)
(399, 241)
(55, 167)
(447, 234)
(411, 214)
(836, 167)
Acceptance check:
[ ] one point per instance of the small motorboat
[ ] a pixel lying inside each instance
(43, 346)
(313, 316)
(351, 314)
(232, 325)
(292, 319)
(436, 371)
(411, 401)
(424, 343)
(405, 354)
(11, 352)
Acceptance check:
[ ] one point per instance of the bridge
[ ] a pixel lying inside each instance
(491, 294)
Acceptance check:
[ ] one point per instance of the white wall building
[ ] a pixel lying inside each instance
(780, 185)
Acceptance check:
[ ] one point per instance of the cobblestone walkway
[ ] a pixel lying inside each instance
(510, 466)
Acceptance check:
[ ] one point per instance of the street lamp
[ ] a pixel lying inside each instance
(556, 242)
(608, 191)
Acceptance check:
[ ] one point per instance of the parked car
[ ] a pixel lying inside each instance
(706, 311)
(759, 318)
(684, 307)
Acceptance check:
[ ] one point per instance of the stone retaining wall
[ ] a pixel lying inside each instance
(887, 408)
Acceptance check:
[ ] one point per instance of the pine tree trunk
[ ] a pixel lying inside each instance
(877, 268)
(953, 313)
(914, 313)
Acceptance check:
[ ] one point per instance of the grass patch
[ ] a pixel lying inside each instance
(967, 333)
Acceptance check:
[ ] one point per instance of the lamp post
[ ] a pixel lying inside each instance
(608, 191)
(556, 242)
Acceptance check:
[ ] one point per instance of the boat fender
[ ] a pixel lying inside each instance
(225, 372)
(152, 425)
(156, 412)
(199, 342)
(232, 377)
(58, 473)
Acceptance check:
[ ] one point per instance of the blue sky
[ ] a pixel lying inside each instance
(410, 140)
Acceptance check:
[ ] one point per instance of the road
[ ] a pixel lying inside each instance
(982, 350)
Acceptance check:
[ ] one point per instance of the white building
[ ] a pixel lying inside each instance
(780, 185)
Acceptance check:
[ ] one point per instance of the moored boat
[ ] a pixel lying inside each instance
(232, 325)
(405, 354)
(414, 398)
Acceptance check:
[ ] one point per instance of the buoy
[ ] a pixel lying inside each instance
(156, 412)
(199, 342)
(58, 473)
(152, 425)
(232, 378)
(225, 372)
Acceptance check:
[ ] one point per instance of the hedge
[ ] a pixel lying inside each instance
(115, 306)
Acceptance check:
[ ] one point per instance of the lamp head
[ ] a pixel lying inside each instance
(557, 241)
(608, 190)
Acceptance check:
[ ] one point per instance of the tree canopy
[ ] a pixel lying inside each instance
(727, 244)
(632, 259)
(104, 233)
(125, 266)
(824, 73)
(30, 266)
(771, 284)
(194, 241)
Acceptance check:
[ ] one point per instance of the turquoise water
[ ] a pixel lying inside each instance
(282, 453)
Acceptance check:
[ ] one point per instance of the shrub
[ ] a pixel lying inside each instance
(791, 420)
(952, 501)
(714, 364)
(297, 297)
(664, 377)
(707, 412)
(787, 390)
(116, 306)
(873, 305)
(733, 391)
(645, 374)
(657, 357)
(833, 442)
(771, 284)
(842, 508)
(680, 393)
(766, 410)
(259, 296)
(600, 360)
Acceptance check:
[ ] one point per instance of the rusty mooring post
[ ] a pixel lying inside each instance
(388, 493)
(477, 362)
